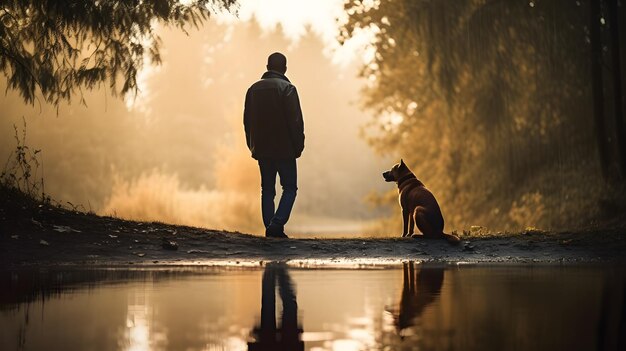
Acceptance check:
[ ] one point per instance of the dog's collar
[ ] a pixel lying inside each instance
(405, 178)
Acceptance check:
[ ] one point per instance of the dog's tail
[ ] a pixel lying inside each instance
(452, 239)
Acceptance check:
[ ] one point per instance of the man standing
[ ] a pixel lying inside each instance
(274, 127)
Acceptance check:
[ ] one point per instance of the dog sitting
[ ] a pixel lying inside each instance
(419, 206)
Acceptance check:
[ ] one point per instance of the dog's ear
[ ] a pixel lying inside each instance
(402, 163)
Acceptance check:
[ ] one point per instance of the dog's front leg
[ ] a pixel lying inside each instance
(411, 224)
(405, 223)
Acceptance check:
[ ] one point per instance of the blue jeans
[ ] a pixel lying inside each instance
(287, 171)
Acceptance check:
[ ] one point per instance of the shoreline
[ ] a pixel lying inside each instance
(47, 235)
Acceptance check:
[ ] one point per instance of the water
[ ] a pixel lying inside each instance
(409, 307)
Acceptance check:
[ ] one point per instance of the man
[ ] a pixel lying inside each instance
(274, 128)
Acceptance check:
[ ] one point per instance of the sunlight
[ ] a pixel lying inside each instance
(137, 325)
(391, 120)
(345, 345)
(296, 18)
(312, 175)
(139, 101)
(140, 334)
(230, 343)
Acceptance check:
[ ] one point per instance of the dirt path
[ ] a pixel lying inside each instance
(50, 235)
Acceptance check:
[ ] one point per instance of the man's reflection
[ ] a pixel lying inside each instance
(267, 336)
(418, 291)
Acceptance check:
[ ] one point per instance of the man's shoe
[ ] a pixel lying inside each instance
(275, 231)
(277, 235)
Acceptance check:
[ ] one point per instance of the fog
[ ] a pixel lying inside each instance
(176, 153)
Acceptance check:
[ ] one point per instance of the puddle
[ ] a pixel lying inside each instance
(280, 307)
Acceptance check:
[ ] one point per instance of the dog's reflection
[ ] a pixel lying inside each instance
(420, 288)
(266, 335)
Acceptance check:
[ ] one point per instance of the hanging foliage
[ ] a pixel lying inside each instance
(59, 48)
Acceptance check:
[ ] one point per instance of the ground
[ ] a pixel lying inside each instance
(41, 234)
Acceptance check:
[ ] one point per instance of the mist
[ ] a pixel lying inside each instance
(176, 152)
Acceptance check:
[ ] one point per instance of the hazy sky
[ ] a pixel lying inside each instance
(296, 16)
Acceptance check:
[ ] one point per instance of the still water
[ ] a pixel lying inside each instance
(279, 307)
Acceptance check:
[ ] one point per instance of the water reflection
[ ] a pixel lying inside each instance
(417, 307)
(141, 333)
(289, 335)
(419, 289)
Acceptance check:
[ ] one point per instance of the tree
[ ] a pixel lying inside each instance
(595, 34)
(489, 101)
(618, 95)
(60, 48)
(607, 81)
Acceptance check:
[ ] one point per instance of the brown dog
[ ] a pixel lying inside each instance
(419, 206)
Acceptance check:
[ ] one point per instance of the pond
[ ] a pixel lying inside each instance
(284, 307)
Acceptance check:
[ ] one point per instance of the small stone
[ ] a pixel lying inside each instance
(531, 231)
(44, 243)
(64, 229)
(15, 237)
(195, 251)
(467, 246)
(169, 245)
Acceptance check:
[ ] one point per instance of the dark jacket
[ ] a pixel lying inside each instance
(272, 118)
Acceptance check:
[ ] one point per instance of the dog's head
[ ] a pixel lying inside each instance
(396, 172)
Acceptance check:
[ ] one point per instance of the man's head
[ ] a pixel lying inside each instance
(277, 62)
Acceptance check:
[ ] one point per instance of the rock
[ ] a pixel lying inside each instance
(195, 251)
(169, 244)
(531, 231)
(44, 243)
(64, 229)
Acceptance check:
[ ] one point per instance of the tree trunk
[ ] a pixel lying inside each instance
(595, 31)
(620, 136)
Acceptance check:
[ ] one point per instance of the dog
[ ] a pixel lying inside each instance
(419, 206)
